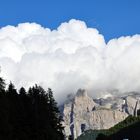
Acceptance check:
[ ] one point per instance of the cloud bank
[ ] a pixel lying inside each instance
(71, 57)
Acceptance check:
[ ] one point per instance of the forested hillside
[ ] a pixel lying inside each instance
(31, 115)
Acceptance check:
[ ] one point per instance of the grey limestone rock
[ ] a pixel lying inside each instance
(82, 113)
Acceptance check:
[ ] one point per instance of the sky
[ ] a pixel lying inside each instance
(113, 18)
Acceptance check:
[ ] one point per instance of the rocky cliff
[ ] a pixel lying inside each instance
(81, 112)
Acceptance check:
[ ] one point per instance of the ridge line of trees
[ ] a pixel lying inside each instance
(29, 115)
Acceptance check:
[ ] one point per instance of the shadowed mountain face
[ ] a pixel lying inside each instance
(81, 112)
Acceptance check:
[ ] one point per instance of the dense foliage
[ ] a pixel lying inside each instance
(129, 128)
(31, 115)
(131, 132)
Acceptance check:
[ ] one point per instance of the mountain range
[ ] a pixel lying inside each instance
(82, 112)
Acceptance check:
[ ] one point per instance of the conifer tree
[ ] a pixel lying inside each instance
(55, 117)
(2, 85)
(22, 91)
(4, 125)
(11, 90)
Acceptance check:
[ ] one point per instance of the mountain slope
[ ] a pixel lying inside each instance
(81, 113)
(129, 128)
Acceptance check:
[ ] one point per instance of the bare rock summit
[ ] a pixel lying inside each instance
(82, 113)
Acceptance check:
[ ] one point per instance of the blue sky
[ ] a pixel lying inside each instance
(113, 18)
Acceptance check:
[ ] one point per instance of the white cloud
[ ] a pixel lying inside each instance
(71, 57)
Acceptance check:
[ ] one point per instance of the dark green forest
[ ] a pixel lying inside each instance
(29, 115)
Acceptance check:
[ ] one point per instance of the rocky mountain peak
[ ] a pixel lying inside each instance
(81, 113)
(82, 102)
(81, 92)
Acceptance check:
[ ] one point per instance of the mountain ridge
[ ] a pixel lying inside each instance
(81, 112)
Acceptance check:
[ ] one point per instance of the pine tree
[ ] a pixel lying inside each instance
(55, 118)
(14, 112)
(4, 125)
(2, 85)
(40, 128)
(22, 91)
(11, 90)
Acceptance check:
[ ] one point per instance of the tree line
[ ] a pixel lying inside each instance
(29, 115)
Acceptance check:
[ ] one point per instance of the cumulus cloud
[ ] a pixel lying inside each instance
(72, 56)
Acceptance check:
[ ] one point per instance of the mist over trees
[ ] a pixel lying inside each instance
(31, 115)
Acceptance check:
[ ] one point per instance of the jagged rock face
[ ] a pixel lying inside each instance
(114, 103)
(132, 105)
(82, 113)
(105, 118)
(83, 103)
(129, 104)
(75, 111)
